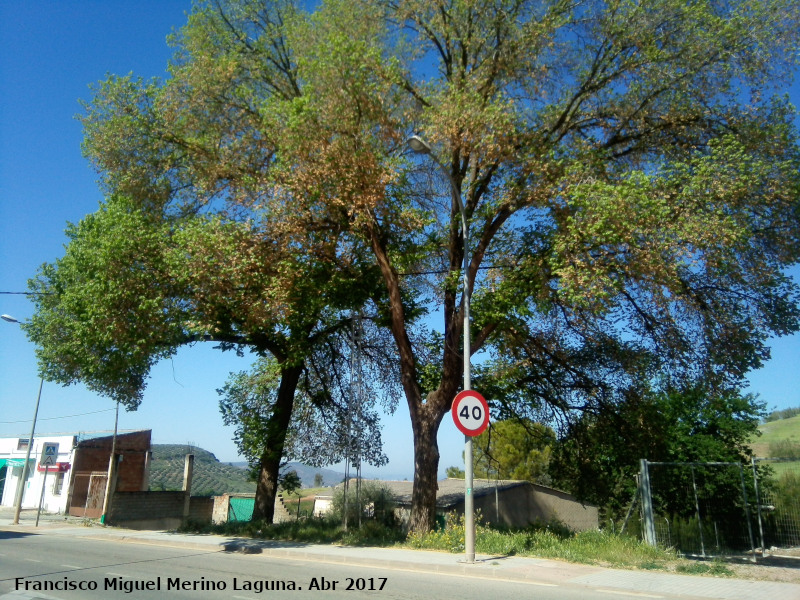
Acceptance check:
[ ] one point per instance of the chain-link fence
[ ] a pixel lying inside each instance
(715, 508)
(778, 507)
(702, 508)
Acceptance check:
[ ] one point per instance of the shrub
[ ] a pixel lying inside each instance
(374, 502)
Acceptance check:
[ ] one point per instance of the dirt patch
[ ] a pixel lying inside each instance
(783, 566)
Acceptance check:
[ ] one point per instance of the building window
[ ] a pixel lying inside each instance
(22, 444)
(58, 484)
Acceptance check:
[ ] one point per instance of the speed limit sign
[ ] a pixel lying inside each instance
(470, 413)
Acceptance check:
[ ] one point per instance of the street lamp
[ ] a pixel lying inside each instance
(23, 479)
(420, 146)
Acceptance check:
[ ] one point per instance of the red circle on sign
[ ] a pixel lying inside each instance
(470, 413)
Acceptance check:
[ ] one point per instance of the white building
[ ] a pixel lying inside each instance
(55, 480)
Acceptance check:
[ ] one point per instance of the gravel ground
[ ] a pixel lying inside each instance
(783, 565)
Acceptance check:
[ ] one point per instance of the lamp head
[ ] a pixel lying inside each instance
(8, 318)
(418, 145)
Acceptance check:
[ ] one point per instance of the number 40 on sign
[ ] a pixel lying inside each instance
(470, 413)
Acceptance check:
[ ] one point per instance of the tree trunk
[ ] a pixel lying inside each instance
(426, 467)
(270, 463)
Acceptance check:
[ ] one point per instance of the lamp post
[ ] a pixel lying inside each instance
(420, 146)
(21, 482)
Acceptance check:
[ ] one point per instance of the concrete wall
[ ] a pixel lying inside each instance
(527, 503)
(157, 510)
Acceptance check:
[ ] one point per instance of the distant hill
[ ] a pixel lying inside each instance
(308, 474)
(212, 477)
(779, 439)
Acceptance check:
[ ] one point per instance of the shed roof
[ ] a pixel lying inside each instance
(450, 492)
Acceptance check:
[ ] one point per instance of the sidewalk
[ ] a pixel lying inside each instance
(533, 571)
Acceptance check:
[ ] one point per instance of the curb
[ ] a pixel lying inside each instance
(480, 569)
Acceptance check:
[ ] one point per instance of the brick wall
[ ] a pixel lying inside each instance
(91, 461)
(157, 510)
(201, 509)
(93, 454)
(147, 510)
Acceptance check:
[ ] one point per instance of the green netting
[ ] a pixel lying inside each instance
(241, 509)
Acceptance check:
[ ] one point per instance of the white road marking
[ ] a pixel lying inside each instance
(636, 594)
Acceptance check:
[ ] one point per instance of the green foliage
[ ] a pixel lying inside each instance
(318, 432)
(629, 173)
(514, 449)
(715, 569)
(455, 472)
(786, 413)
(599, 457)
(785, 449)
(310, 531)
(374, 503)
(290, 482)
(546, 541)
(775, 434)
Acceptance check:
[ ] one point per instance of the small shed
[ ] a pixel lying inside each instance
(501, 502)
(504, 502)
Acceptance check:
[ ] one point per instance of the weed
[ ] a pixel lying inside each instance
(715, 568)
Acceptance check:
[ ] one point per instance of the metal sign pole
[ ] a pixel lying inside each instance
(41, 497)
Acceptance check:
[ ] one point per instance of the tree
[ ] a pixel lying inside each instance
(628, 175)
(325, 427)
(290, 482)
(455, 472)
(318, 480)
(133, 286)
(599, 457)
(512, 449)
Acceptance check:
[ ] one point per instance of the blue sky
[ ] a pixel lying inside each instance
(50, 52)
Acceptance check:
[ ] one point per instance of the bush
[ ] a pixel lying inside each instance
(546, 540)
(375, 503)
(786, 413)
(785, 449)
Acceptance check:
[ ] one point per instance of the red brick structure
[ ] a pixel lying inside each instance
(90, 470)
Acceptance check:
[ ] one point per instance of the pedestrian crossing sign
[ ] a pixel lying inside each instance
(49, 454)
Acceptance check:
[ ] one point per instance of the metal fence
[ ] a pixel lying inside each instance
(700, 509)
(777, 482)
(716, 508)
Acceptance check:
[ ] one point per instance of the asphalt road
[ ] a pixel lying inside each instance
(46, 567)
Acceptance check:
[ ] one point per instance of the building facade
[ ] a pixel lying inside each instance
(76, 481)
(49, 484)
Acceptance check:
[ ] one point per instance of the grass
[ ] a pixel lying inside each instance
(549, 541)
(714, 568)
(308, 531)
(774, 433)
(544, 541)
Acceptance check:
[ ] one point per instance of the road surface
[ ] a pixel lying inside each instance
(60, 567)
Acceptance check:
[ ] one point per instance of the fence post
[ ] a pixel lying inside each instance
(699, 518)
(648, 526)
(747, 513)
(758, 506)
(188, 469)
